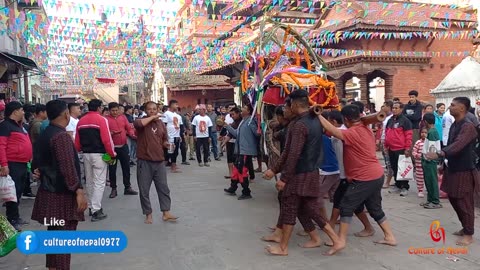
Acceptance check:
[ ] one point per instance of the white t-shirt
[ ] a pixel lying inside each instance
(173, 121)
(384, 124)
(228, 119)
(447, 121)
(338, 148)
(202, 123)
(72, 126)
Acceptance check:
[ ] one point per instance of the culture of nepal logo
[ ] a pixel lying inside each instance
(437, 234)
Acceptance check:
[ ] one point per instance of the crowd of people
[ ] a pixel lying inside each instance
(344, 146)
(73, 150)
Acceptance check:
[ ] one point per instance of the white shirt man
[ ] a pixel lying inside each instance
(202, 123)
(447, 121)
(72, 126)
(173, 121)
(203, 126)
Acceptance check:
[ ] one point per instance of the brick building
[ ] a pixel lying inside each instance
(190, 90)
(423, 70)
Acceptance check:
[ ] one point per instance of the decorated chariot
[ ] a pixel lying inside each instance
(281, 62)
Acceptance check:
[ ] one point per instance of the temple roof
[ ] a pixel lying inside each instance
(395, 15)
(463, 77)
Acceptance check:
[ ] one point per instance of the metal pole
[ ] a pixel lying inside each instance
(165, 89)
(25, 82)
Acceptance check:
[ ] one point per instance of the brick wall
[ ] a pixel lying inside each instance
(412, 76)
(425, 80)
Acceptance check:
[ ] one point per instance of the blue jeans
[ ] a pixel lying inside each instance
(132, 146)
(214, 139)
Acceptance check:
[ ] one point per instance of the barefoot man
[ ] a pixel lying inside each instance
(364, 173)
(151, 140)
(300, 177)
(284, 115)
(461, 177)
(336, 118)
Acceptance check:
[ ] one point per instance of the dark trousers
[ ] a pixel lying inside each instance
(199, 144)
(183, 149)
(172, 157)
(340, 192)
(249, 164)
(213, 137)
(18, 172)
(167, 156)
(61, 261)
(241, 162)
(251, 171)
(303, 217)
(123, 156)
(305, 208)
(465, 209)
(360, 193)
(230, 152)
(26, 186)
(394, 155)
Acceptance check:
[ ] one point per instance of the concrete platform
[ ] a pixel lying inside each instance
(218, 232)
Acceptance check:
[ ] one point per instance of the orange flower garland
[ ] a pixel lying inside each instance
(262, 62)
(323, 85)
(293, 78)
(307, 59)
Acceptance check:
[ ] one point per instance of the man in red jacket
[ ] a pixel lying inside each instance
(119, 129)
(398, 141)
(93, 139)
(15, 153)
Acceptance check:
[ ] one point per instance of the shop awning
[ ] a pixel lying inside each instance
(24, 61)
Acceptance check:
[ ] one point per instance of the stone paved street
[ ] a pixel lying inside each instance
(216, 231)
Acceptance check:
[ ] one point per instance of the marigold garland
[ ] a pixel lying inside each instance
(307, 59)
(297, 59)
(323, 85)
(261, 59)
(320, 83)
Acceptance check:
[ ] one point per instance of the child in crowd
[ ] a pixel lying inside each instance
(428, 109)
(417, 155)
(430, 166)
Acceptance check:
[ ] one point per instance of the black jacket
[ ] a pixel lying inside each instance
(49, 158)
(312, 153)
(414, 113)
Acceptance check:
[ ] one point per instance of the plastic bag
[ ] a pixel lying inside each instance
(405, 168)
(7, 189)
(8, 237)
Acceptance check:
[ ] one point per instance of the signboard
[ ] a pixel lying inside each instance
(30, 4)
